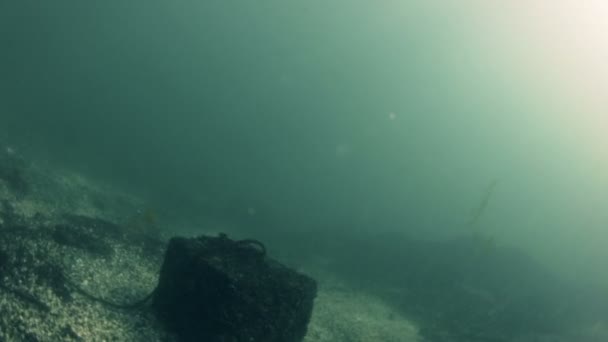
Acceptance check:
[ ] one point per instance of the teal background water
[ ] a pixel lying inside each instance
(373, 116)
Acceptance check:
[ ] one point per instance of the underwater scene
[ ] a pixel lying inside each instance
(304, 171)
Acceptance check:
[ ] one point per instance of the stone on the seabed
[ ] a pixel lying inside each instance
(218, 289)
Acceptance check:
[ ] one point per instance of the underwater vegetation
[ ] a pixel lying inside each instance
(144, 222)
(483, 240)
(478, 211)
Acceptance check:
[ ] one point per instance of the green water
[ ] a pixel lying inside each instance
(334, 116)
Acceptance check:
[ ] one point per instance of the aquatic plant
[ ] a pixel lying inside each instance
(484, 242)
(485, 199)
(144, 222)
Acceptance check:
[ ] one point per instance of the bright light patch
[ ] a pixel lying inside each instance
(561, 46)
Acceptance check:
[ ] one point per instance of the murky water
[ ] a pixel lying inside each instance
(446, 157)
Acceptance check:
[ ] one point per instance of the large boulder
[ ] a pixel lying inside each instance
(218, 289)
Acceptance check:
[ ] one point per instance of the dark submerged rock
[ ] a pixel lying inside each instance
(217, 289)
